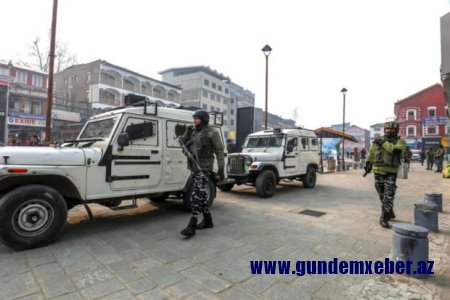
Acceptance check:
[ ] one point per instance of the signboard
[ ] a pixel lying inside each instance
(26, 122)
(65, 115)
(434, 121)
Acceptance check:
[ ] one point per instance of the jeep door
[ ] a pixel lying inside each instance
(175, 162)
(137, 165)
(291, 158)
(305, 154)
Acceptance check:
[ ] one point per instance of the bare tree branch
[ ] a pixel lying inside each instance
(64, 58)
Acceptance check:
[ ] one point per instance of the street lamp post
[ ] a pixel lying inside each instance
(266, 50)
(343, 91)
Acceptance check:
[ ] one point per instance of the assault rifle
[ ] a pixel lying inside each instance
(190, 156)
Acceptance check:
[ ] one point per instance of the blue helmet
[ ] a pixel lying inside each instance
(202, 115)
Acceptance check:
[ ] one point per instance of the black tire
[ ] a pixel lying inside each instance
(160, 198)
(32, 216)
(211, 190)
(309, 180)
(266, 184)
(226, 187)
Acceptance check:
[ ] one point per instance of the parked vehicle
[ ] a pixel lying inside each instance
(272, 155)
(119, 155)
(415, 155)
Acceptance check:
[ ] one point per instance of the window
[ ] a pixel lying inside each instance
(314, 144)
(218, 98)
(226, 91)
(232, 101)
(232, 111)
(205, 93)
(21, 77)
(205, 107)
(36, 108)
(432, 111)
(292, 144)
(411, 130)
(432, 130)
(411, 114)
(212, 108)
(140, 129)
(213, 85)
(36, 80)
(206, 82)
(88, 77)
(305, 144)
(213, 96)
(232, 122)
(219, 87)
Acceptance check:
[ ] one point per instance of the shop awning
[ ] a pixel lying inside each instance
(324, 132)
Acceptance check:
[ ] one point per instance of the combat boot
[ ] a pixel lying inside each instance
(189, 231)
(384, 219)
(207, 222)
(391, 214)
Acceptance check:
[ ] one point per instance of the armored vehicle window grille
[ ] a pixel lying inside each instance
(237, 164)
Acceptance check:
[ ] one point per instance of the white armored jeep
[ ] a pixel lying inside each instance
(119, 155)
(273, 155)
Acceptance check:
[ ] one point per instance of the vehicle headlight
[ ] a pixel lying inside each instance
(248, 161)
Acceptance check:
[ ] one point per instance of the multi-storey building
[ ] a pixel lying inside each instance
(423, 117)
(376, 130)
(86, 89)
(445, 66)
(23, 101)
(203, 88)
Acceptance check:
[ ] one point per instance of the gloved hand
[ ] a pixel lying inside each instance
(379, 141)
(368, 167)
(397, 151)
(221, 174)
(189, 130)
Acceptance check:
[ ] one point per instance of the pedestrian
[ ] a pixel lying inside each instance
(422, 156)
(231, 148)
(408, 156)
(203, 142)
(363, 155)
(34, 140)
(439, 157)
(384, 159)
(429, 154)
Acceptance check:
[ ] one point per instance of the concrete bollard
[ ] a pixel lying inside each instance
(410, 243)
(426, 215)
(355, 166)
(361, 165)
(338, 168)
(436, 198)
(347, 167)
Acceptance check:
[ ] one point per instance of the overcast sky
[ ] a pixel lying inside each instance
(381, 51)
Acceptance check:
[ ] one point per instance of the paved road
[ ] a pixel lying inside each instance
(141, 255)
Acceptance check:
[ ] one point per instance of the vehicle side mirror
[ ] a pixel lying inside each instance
(123, 140)
(289, 148)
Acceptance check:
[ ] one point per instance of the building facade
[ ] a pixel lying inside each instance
(445, 66)
(87, 89)
(423, 117)
(23, 103)
(204, 88)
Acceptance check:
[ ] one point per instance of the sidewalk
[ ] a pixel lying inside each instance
(143, 256)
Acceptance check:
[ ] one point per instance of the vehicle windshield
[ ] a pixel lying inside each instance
(265, 141)
(98, 129)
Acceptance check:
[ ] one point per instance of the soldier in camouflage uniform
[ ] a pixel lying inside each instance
(384, 159)
(429, 154)
(203, 142)
(439, 158)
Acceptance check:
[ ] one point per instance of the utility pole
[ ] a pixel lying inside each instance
(48, 122)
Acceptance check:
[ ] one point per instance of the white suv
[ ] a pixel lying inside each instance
(123, 154)
(271, 155)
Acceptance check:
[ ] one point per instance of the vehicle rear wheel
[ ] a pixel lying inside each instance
(32, 216)
(309, 180)
(210, 192)
(226, 187)
(266, 184)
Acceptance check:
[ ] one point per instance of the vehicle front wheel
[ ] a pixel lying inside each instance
(309, 180)
(266, 184)
(31, 216)
(210, 192)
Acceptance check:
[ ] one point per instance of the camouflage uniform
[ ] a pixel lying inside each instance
(430, 158)
(384, 158)
(204, 143)
(439, 158)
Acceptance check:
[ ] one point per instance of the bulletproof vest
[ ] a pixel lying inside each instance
(384, 159)
(201, 147)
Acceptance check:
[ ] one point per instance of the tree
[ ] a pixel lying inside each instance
(63, 57)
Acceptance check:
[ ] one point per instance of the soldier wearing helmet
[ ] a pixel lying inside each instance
(204, 143)
(384, 159)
